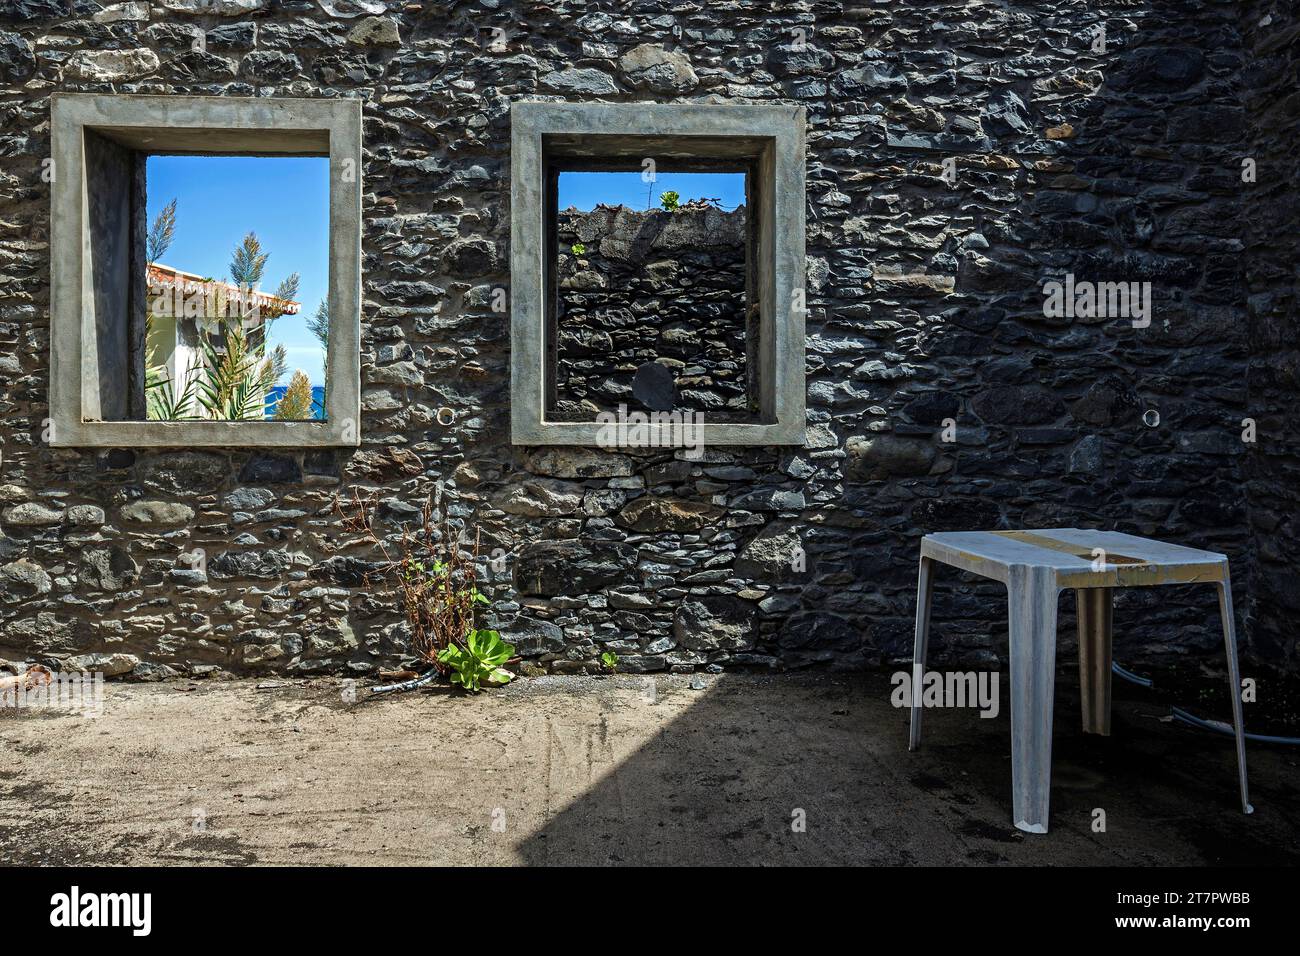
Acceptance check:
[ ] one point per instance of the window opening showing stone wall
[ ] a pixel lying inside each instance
(652, 304)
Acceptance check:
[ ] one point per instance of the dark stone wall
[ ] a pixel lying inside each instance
(959, 157)
(651, 286)
(1271, 212)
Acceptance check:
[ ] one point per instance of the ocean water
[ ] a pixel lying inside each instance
(317, 400)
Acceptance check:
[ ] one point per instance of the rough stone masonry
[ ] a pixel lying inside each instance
(960, 154)
(652, 289)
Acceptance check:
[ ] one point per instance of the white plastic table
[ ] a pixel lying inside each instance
(1036, 566)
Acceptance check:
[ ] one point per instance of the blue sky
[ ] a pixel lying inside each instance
(583, 189)
(285, 200)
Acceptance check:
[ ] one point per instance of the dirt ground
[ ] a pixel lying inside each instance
(614, 770)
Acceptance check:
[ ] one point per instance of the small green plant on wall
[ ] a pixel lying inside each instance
(609, 661)
(670, 199)
(578, 249)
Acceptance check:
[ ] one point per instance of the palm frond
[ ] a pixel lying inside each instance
(161, 232)
(319, 324)
(236, 379)
(165, 402)
(248, 262)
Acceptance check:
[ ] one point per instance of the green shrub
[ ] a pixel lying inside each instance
(479, 661)
(295, 404)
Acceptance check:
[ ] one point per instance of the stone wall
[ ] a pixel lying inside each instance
(1115, 161)
(1271, 212)
(651, 287)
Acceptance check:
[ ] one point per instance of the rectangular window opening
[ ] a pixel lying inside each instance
(206, 275)
(653, 300)
(687, 310)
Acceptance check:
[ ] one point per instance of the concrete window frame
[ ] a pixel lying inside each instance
(769, 137)
(98, 146)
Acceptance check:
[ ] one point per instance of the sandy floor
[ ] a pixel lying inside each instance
(612, 770)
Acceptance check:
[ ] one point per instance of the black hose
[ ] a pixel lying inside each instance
(428, 677)
(1221, 728)
(1193, 721)
(1130, 676)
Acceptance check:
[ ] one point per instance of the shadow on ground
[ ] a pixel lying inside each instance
(726, 781)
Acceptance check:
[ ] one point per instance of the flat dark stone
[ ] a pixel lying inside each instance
(653, 387)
